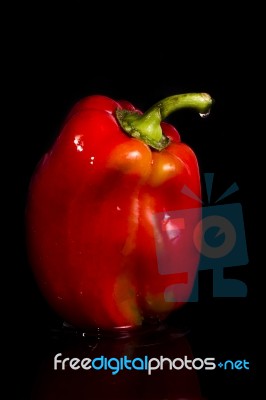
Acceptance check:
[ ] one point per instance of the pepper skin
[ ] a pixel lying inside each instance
(90, 212)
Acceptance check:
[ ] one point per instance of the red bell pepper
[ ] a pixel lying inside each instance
(90, 226)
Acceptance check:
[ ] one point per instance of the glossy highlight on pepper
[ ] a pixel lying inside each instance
(91, 202)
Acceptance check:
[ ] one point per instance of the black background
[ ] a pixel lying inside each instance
(59, 55)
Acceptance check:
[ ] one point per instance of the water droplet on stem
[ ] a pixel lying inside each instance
(204, 115)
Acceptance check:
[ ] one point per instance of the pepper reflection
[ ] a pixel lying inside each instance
(110, 381)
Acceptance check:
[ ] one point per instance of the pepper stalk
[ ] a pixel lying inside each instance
(147, 128)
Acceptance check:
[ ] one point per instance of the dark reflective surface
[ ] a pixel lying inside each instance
(127, 384)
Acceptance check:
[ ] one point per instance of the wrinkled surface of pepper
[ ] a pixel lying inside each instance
(90, 218)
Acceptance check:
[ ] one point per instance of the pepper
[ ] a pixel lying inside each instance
(91, 231)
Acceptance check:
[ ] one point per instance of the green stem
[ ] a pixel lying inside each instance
(147, 126)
